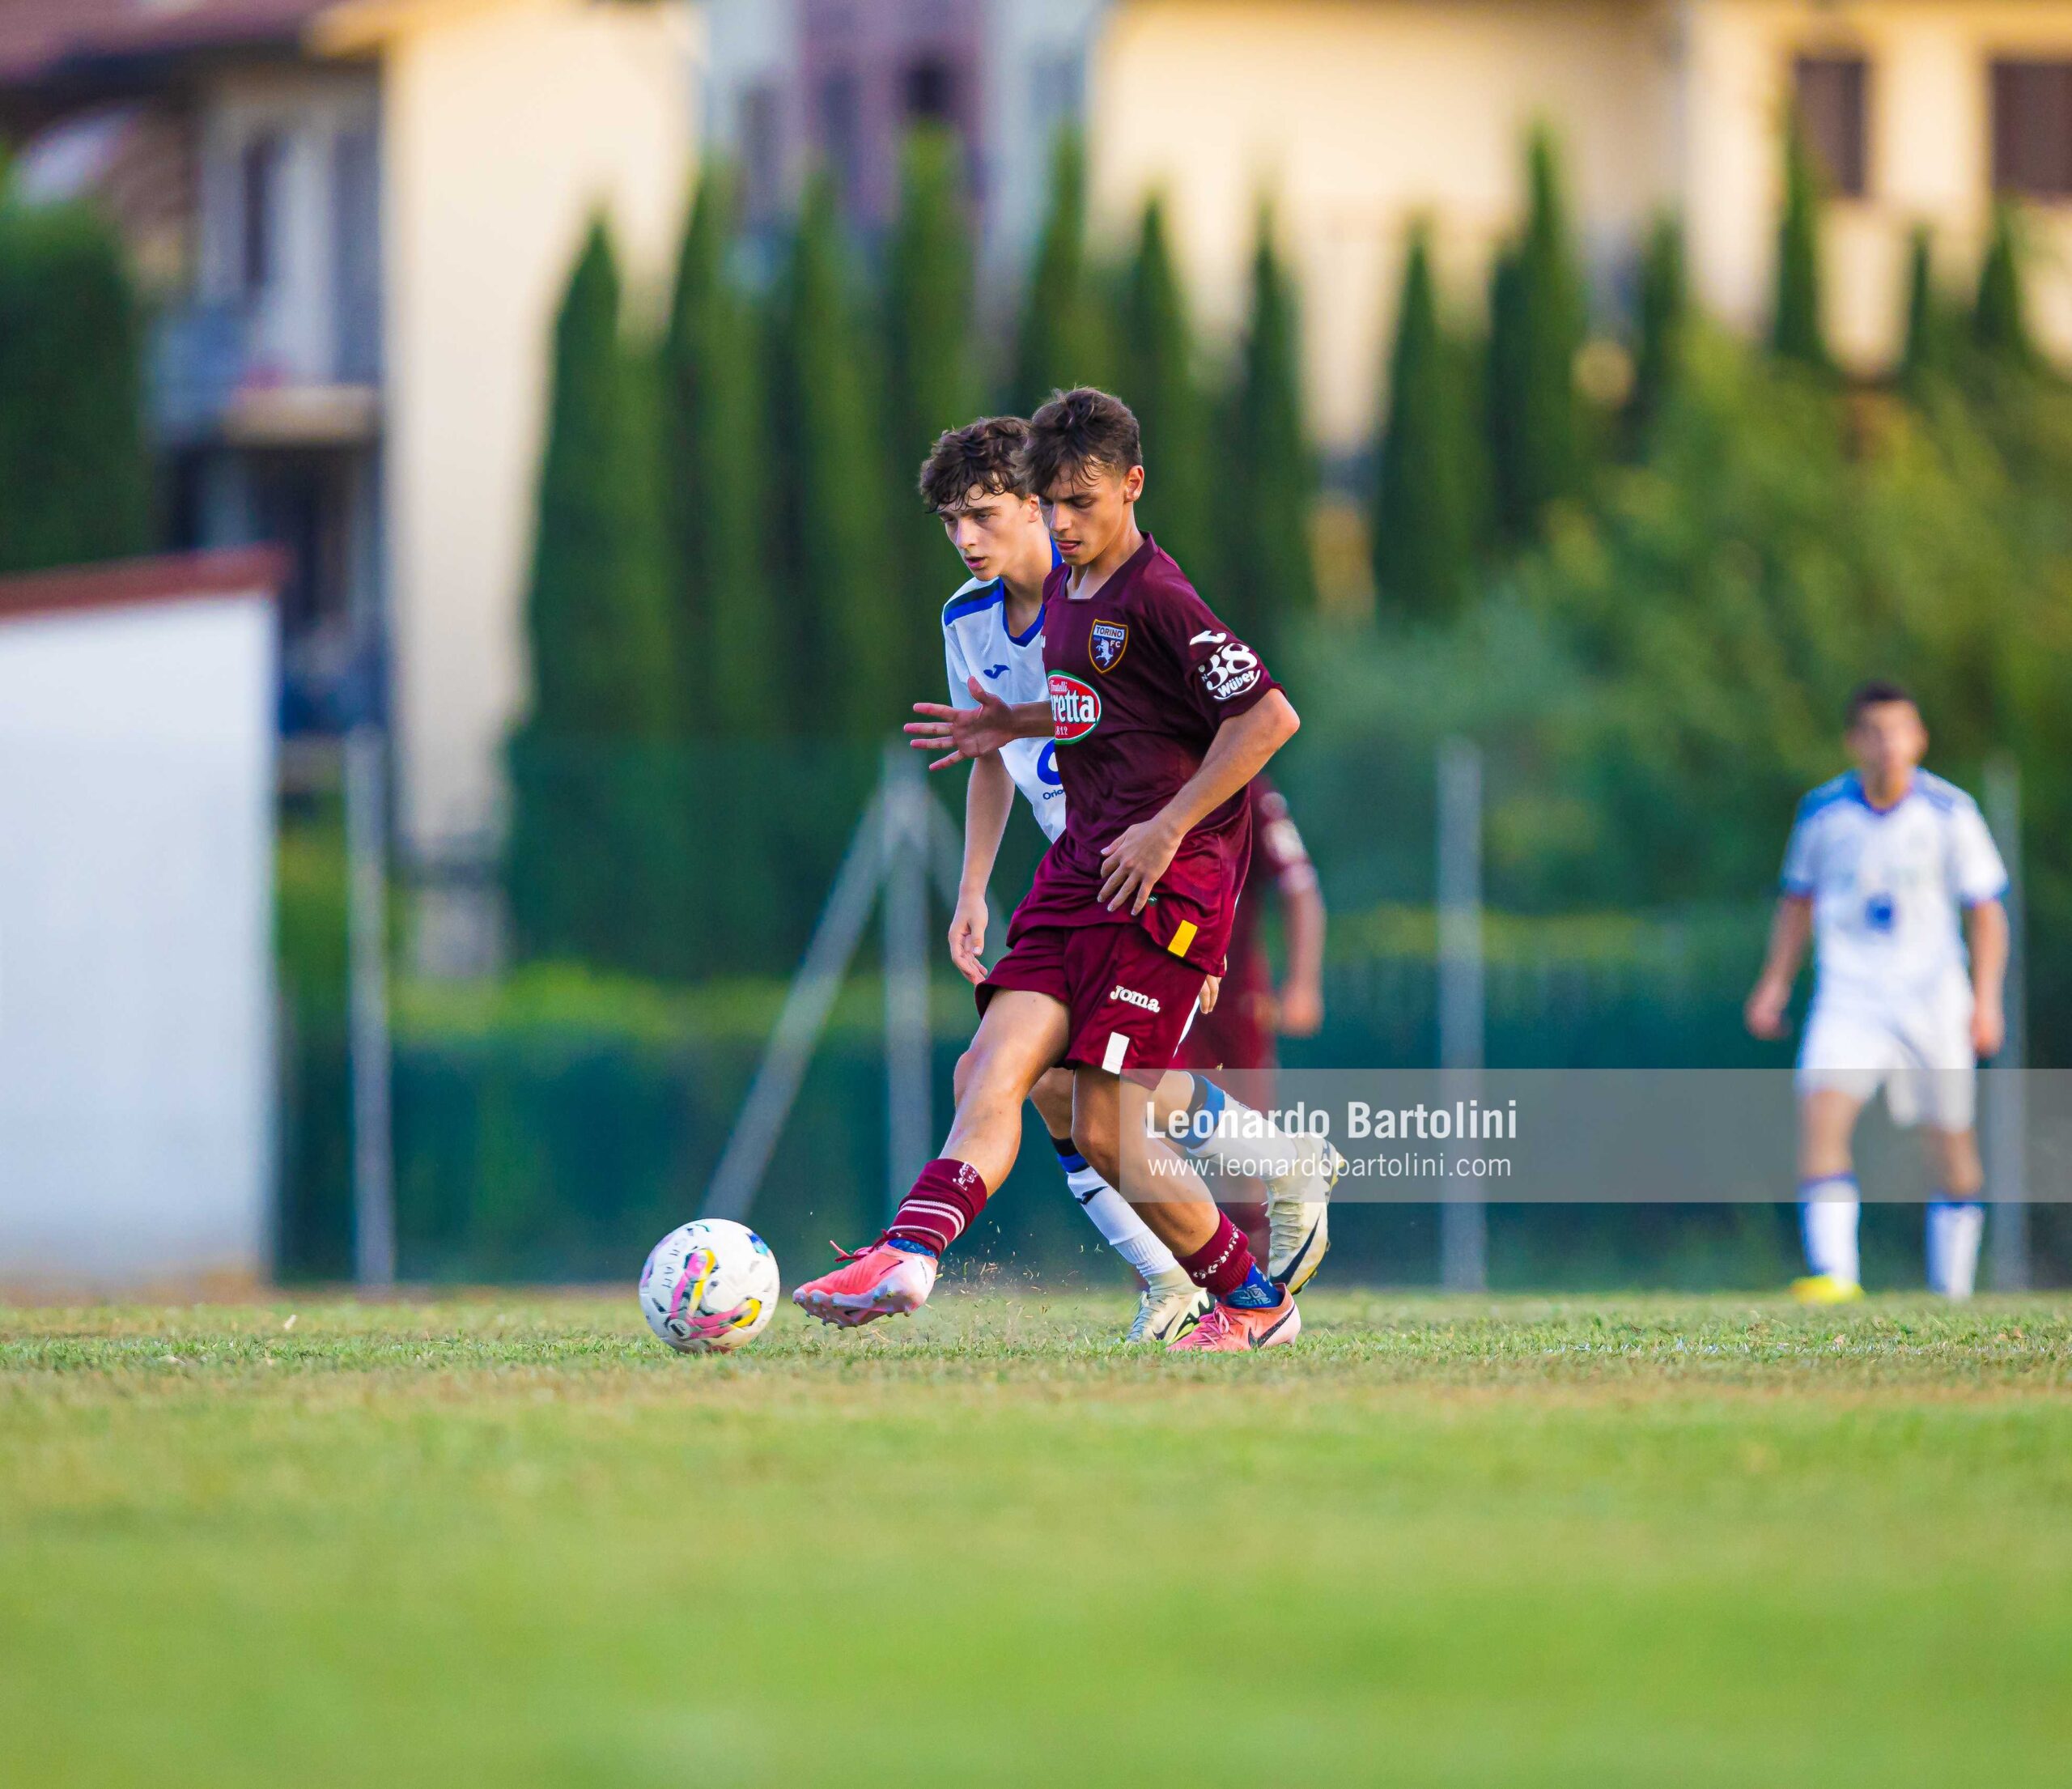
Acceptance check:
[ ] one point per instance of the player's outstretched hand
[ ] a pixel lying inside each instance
(1988, 1029)
(1300, 1010)
(967, 938)
(960, 733)
(1764, 1012)
(1133, 864)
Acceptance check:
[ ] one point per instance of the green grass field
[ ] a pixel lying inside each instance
(510, 1540)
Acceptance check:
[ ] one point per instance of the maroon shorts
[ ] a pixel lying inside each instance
(1234, 1036)
(1129, 1001)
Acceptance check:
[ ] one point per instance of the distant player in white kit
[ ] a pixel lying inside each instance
(993, 652)
(1889, 872)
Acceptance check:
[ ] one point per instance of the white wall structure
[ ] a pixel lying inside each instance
(1357, 120)
(506, 126)
(1360, 116)
(137, 1067)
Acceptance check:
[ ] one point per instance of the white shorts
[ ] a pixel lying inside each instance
(1920, 1054)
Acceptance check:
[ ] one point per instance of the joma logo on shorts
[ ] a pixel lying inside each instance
(1130, 994)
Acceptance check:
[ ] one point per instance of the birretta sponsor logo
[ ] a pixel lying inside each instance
(1130, 994)
(1074, 708)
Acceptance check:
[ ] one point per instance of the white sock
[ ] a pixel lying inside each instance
(1828, 1219)
(1225, 1132)
(1123, 1230)
(1954, 1226)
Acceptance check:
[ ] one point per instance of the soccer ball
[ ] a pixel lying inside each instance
(709, 1287)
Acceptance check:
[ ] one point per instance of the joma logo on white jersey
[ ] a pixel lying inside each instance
(1130, 994)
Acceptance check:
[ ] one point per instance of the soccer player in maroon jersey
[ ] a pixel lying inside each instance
(1239, 1030)
(1161, 716)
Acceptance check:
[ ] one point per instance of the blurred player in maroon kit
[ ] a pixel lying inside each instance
(1240, 1030)
(1161, 717)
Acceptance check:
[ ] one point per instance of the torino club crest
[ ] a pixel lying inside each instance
(1110, 641)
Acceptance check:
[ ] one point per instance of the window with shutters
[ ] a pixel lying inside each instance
(1832, 97)
(2032, 129)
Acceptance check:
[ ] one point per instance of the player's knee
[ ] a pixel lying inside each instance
(1093, 1135)
(960, 1077)
(1053, 1099)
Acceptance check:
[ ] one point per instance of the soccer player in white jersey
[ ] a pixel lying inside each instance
(1889, 871)
(993, 651)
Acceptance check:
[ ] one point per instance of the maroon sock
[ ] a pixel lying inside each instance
(1223, 1263)
(948, 1194)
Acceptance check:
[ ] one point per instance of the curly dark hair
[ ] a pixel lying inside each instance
(1078, 429)
(981, 456)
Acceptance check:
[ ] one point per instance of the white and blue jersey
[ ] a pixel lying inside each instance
(1892, 997)
(1889, 887)
(976, 643)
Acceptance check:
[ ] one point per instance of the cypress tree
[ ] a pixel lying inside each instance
(1157, 382)
(1536, 321)
(1926, 353)
(1061, 342)
(930, 385)
(1665, 311)
(588, 850)
(1424, 512)
(75, 477)
(597, 613)
(844, 624)
(1999, 326)
(1271, 575)
(726, 633)
(1796, 333)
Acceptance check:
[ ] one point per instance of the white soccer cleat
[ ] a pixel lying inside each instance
(1164, 1314)
(1298, 1218)
(877, 1281)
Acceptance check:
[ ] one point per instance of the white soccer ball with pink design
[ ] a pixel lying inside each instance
(709, 1287)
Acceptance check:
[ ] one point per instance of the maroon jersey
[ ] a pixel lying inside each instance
(1279, 858)
(1239, 1033)
(1141, 676)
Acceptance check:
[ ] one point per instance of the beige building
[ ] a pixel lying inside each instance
(1358, 115)
(505, 123)
(357, 217)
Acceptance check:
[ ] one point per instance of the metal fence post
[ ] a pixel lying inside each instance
(2007, 1113)
(367, 897)
(808, 1001)
(909, 1120)
(1463, 1218)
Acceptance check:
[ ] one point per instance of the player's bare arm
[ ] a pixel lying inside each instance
(1791, 930)
(1133, 864)
(961, 733)
(1985, 932)
(1302, 1004)
(988, 798)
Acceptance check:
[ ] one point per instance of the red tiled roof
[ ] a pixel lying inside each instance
(38, 37)
(122, 583)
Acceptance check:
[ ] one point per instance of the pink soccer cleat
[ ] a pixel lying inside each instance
(877, 1281)
(1227, 1329)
